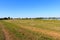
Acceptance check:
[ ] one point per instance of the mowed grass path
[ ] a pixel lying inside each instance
(31, 29)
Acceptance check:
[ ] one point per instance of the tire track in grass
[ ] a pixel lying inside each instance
(1, 33)
(21, 33)
(7, 34)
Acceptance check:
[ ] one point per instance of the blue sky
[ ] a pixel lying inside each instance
(30, 8)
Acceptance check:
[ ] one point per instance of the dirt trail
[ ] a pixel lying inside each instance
(7, 34)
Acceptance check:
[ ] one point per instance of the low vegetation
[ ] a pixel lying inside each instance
(30, 29)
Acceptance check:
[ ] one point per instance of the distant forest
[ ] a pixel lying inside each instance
(9, 18)
(5, 18)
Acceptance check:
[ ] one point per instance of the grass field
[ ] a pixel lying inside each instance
(29, 29)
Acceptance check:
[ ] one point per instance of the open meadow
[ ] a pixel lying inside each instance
(30, 29)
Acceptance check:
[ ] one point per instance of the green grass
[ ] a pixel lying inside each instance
(25, 34)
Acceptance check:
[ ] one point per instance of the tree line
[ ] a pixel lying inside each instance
(9, 18)
(40, 18)
(5, 18)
